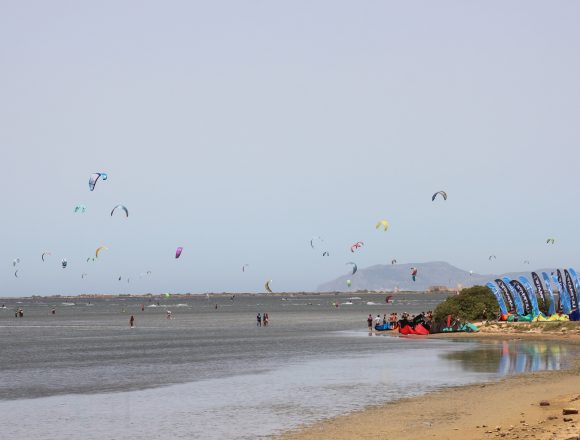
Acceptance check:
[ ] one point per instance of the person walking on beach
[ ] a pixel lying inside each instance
(132, 321)
(259, 320)
(266, 319)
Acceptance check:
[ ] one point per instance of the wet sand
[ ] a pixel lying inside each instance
(509, 408)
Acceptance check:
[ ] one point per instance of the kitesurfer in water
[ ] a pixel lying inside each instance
(132, 321)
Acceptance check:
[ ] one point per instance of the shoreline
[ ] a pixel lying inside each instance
(509, 407)
(439, 294)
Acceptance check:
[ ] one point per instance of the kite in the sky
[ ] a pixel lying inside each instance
(267, 286)
(99, 249)
(382, 223)
(63, 263)
(315, 240)
(123, 207)
(550, 241)
(441, 193)
(178, 252)
(80, 208)
(492, 257)
(94, 178)
(354, 267)
(356, 245)
(44, 254)
(393, 261)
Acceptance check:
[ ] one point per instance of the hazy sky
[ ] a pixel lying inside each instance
(241, 129)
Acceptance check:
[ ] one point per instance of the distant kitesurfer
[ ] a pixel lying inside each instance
(132, 321)
(370, 321)
(259, 320)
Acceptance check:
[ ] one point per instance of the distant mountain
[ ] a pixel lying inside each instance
(436, 273)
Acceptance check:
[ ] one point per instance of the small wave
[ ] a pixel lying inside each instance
(68, 304)
(181, 305)
(370, 303)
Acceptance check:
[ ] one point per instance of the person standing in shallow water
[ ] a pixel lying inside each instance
(259, 320)
(370, 321)
(132, 321)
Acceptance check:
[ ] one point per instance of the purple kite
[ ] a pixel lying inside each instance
(178, 252)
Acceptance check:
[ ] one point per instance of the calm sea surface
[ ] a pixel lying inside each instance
(212, 373)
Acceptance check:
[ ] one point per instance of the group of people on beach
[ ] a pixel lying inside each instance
(262, 319)
(394, 318)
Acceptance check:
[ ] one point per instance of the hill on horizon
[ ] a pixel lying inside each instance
(398, 276)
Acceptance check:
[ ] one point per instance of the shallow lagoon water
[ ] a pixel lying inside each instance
(212, 373)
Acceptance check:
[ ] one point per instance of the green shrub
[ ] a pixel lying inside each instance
(470, 305)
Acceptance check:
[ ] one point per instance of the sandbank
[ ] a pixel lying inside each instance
(509, 408)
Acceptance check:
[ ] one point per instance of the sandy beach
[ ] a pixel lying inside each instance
(509, 408)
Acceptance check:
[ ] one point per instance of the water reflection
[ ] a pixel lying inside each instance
(512, 357)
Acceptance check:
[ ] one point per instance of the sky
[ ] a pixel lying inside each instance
(240, 130)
